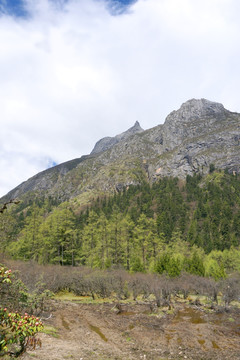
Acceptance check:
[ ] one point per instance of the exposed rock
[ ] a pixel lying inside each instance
(108, 142)
(194, 118)
(200, 133)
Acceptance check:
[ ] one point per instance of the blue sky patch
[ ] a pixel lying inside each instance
(118, 7)
(13, 8)
(51, 163)
(17, 8)
(126, 2)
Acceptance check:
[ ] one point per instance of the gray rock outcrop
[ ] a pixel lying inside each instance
(108, 142)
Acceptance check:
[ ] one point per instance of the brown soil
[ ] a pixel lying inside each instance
(99, 332)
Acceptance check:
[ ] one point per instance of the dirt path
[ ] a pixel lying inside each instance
(98, 332)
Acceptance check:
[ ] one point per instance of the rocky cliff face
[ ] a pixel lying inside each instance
(200, 133)
(195, 117)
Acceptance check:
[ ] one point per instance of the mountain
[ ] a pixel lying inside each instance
(108, 142)
(192, 138)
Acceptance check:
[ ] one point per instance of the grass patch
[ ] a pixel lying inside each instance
(236, 304)
(158, 314)
(50, 330)
(65, 295)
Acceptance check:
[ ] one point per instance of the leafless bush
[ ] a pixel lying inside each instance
(138, 285)
(211, 289)
(120, 283)
(100, 284)
(38, 278)
(105, 283)
(183, 285)
(231, 289)
(80, 284)
(167, 289)
(156, 289)
(189, 283)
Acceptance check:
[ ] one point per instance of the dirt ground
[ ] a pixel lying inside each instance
(100, 332)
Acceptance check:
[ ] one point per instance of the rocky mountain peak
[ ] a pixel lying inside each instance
(108, 142)
(201, 107)
(196, 109)
(136, 125)
(136, 128)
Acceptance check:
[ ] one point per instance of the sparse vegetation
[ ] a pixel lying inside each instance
(136, 308)
(70, 283)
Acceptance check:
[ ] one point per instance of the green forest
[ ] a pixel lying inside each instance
(170, 226)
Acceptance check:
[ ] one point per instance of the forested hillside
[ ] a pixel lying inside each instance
(170, 226)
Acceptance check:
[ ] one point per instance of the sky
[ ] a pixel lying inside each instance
(74, 71)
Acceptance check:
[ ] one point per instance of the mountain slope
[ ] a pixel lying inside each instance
(200, 133)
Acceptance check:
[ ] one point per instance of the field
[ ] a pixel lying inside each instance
(78, 328)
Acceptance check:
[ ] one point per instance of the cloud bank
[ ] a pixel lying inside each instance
(74, 71)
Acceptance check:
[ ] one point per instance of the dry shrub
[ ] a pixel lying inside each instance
(84, 281)
(230, 288)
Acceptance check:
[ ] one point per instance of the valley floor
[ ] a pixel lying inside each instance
(98, 331)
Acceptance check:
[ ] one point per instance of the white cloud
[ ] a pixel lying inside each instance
(72, 74)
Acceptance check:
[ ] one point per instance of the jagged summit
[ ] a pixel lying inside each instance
(195, 117)
(136, 125)
(107, 142)
(195, 109)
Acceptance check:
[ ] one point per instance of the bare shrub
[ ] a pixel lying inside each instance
(40, 280)
(183, 285)
(211, 289)
(231, 289)
(135, 285)
(189, 283)
(139, 285)
(167, 289)
(100, 284)
(156, 289)
(120, 283)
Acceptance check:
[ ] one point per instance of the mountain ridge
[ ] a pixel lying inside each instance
(196, 135)
(107, 142)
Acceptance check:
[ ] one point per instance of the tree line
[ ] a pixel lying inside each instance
(171, 226)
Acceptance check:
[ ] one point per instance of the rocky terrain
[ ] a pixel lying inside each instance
(198, 134)
(108, 142)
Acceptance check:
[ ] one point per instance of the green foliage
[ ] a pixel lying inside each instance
(137, 265)
(194, 265)
(211, 168)
(215, 270)
(136, 227)
(7, 229)
(14, 327)
(17, 329)
(168, 264)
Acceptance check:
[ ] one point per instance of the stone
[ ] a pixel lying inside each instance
(108, 142)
